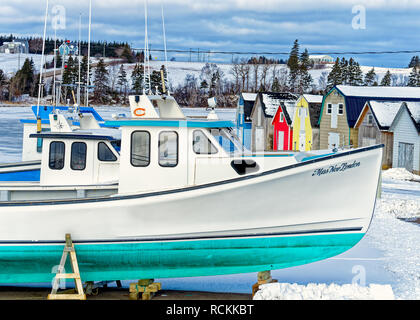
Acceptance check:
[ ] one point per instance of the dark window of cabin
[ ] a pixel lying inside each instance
(105, 154)
(340, 109)
(57, 154)
(168, 149)
(140, 148)
(202, 144)
(78, 156)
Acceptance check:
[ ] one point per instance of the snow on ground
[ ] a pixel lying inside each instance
(400, 174)
(286, 291)
(177, 70)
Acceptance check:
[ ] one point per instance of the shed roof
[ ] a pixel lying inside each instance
(356, 98)
(384, 112)
(312, 98)
(249, 101)
(270, 101)
(414, 111)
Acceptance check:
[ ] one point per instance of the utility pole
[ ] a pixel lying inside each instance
(198, 54)
(190, 54)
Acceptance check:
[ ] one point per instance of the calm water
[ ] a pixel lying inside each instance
(11, 130)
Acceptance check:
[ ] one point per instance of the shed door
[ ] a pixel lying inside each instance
(334, 116)
(280, 141)
(302, 141)
(259, 139)
(333, 140)
(406, 156)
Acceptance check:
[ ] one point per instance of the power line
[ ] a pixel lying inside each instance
(282, 53)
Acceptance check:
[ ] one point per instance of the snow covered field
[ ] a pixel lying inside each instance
(177, 71)
(386, 262)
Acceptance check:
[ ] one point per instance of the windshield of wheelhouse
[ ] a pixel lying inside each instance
(228, 140)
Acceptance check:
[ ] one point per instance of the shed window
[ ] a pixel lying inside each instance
(78, 156)
(140, 148)
(57, 153)
(202, 144)
(341, 109)
(168, 149)
(329, 108)
(105, 154)
(281, 117)
(370, 119)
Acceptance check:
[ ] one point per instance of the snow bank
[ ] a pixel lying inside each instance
(400, 174)
(398, 208)
(286, 291)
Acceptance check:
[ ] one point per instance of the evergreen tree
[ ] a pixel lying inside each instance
(305, 79)
(276, 85)
(24, 79)
(101, 82)
(344, 67)
(293, 64)
(335, 76)
(370, 78)
(386, 80)
(122, 82)
(355, 74)
(127, 54)
(414, 79)
(415, 62)
(137, 79)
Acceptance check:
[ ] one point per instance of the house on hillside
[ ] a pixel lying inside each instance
(342, 106)
(406, 129)
(283, 127)
(265, 108)
(321, 59)
(15, 47)
(305, 123)
(243, 117)
(374, 125)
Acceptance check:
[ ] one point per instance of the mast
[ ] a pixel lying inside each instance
(55, 67)
(39, 123)
(79, 51)
(88, 66)
(165, 90)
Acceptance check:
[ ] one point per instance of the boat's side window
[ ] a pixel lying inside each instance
(202, 144)
(105, 154)
(78, 156)
(168, 149)
(57, 152)
(140, 148)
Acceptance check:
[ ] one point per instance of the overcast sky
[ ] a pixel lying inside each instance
(235, 25)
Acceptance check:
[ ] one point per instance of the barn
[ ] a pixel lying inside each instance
(243, 117)
(283, 127)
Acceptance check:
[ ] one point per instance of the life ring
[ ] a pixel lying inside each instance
(139, 112)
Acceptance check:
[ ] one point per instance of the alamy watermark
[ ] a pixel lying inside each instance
(58, 20)
(359, 20)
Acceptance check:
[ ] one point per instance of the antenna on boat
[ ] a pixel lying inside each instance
(38, 117)
(88, 62)
(164, 89)
(79, 51)
(55, 68)
(146, 52)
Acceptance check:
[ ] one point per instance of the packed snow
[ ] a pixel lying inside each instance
(286, 291)
(385, 111)
(400, 174)
(384, 92)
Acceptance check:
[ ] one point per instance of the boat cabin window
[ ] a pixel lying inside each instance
(57, 152)
(202, 144)
(140, 149)
(168, 149)
(117, 145)
(227, 138)
(105, 154)
(78, 156)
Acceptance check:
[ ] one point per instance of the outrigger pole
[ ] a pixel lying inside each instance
(38, 117)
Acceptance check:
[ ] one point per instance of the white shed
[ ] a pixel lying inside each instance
(406, 128)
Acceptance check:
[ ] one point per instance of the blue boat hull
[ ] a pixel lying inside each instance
(21, 176)
(33, 263)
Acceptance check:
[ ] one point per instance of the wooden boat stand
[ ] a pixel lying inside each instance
(263, 278)
(80, 295)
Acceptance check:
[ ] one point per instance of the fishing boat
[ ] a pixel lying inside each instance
(158, 195)
(30, 167)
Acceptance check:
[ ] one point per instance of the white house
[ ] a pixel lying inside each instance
(321, 59)
(406, 128)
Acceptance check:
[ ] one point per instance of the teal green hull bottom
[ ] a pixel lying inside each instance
(37, 263)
